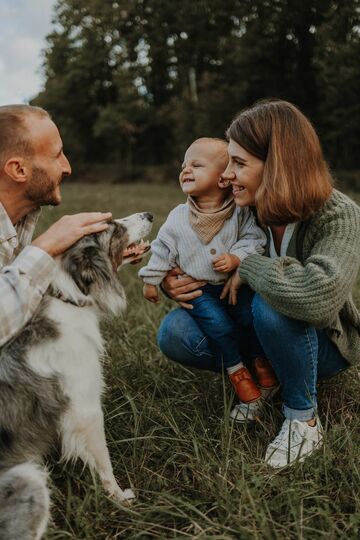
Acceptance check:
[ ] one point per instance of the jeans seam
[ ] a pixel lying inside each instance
(311, 352)
(313, 361)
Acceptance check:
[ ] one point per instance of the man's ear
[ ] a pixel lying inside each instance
(17, 169)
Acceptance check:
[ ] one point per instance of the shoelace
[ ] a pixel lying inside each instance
(289, 431)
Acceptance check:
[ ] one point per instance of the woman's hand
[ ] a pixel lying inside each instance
(231, 288)
(181, 287)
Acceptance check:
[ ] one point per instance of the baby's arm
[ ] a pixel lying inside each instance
(161, 261)
(251, 238)
(226, 262)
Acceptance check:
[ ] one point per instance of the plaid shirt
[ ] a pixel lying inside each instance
(25, 273)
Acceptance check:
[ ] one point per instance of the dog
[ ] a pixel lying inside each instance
(51, 381)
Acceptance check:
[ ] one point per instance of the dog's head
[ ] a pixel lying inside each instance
(87, 270)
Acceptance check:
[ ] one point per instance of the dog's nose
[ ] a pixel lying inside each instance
(148, 216)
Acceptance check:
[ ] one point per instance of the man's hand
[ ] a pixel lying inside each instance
(181, 287)
(151, 293)
(231, 288)
(226, 262)
(69, 229)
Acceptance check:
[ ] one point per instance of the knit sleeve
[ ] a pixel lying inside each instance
(316, 290)
(163, 255)
(252, 238)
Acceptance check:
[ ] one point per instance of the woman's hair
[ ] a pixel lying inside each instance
(296, 179)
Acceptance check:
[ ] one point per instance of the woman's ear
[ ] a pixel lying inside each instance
(222, 183)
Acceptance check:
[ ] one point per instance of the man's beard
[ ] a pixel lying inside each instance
(41, 188)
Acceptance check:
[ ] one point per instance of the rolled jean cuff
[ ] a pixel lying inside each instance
(299, 414)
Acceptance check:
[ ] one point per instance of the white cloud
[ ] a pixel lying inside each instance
(24, 25)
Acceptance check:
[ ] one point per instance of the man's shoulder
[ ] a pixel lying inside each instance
(7, 229)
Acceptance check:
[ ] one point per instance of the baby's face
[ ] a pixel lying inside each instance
(203, 164)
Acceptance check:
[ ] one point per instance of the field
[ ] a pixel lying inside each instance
(196, 474)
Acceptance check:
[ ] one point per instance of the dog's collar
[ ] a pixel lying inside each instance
(60, 296)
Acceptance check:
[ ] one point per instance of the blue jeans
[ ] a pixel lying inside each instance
(224, 325)
(298, 352)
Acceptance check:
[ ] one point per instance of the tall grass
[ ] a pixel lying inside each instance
(196, 474)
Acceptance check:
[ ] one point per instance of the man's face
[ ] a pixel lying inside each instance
(48, 165)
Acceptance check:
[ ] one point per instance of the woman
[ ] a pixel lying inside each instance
(301, 306)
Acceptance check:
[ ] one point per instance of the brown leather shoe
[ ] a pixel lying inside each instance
(264, 373)
(244, 385)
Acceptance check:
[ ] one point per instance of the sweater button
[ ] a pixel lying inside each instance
(212, 251)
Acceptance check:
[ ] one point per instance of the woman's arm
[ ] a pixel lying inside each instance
(316, 290)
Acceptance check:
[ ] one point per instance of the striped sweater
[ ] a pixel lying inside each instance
(314, 281)
(177, 244)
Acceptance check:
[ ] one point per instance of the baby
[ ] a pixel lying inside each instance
(208, 237)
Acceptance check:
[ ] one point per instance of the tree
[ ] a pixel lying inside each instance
(155, 75)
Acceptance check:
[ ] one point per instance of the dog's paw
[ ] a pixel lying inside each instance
(129, 494)
(125, 497)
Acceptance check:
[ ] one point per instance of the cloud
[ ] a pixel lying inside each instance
(24, 25)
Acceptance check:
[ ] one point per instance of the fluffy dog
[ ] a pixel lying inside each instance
(51, 381)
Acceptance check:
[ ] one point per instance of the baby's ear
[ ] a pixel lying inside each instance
(222, 183)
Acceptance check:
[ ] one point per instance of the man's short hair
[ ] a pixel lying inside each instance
(14, 136)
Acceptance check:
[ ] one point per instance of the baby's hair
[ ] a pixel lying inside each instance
(211, 139)
(215, 140)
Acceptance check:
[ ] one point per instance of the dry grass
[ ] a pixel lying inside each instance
(197, 475)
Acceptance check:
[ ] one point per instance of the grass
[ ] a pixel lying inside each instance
(197, 475)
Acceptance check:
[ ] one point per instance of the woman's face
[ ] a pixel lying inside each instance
(244, 172)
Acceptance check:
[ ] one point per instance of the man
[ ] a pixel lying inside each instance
(32, 166)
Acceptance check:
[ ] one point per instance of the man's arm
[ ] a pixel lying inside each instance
(24, 282)
(22, 286)
(69, 229)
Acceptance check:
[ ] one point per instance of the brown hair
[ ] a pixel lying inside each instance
(296, 179)
(14, 137)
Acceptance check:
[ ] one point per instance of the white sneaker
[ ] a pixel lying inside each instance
(246, 412)
(295, 441)
(249, 412)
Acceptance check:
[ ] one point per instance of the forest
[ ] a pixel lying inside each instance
(132, 82)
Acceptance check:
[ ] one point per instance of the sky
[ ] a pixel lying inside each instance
(24, 25)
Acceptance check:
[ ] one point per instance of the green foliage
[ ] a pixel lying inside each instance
(136, 81)
(197, 475)
(339, 83)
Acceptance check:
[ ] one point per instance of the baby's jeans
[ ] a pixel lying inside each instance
(224, 325)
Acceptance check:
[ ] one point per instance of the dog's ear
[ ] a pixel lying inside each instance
(88, 266)
(118, 243)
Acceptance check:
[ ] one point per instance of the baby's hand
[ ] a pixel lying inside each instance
(226, 262)
(151, 293)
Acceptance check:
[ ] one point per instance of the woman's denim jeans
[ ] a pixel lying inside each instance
(299, 353)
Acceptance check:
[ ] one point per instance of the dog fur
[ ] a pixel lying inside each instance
(51, 381)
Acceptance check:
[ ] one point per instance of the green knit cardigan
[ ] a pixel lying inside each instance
(314, 281)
